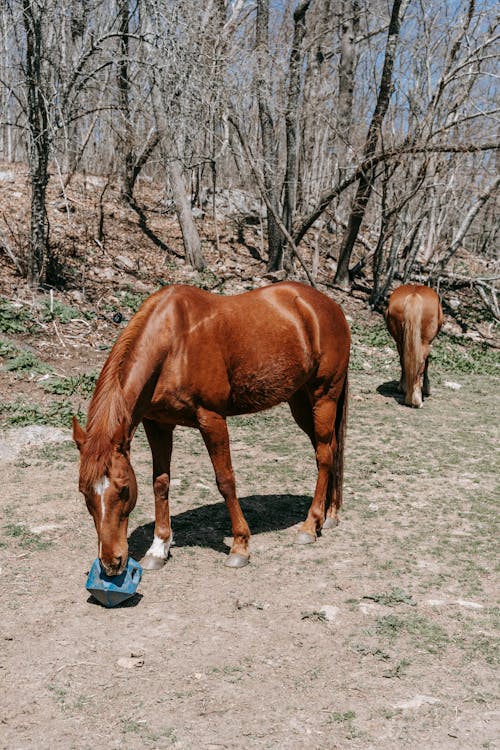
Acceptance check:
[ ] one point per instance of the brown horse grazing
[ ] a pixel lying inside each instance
(193, 358)
(414, 318)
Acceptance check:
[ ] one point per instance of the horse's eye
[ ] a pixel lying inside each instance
(124, 493)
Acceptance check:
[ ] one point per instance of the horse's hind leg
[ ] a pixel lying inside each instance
(402, 379)
(324, 415)
(301, 408)
(426, 388)
(213, 428)
(335, 487)
(160, 442)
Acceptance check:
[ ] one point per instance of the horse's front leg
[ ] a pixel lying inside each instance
(160, 442)
(213, 428)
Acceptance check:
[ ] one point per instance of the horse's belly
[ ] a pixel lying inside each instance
(262, 387)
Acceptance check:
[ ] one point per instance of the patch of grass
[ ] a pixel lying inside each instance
(450, 354)
(164, 737)
(398, 670)
(479, 645)
(55, 452)
(346, 720)
(59, 694)
(375, 335)
(14, 319)
(378, 653)
(131, 300)
(206, 279)
(58, 310)
(25, 538)
(429, 635)
(82, 384)
(342, 717)
(20, 414)
(392, 598)
(27, 362)
(7, 351)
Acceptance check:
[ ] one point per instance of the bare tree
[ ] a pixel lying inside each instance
(334, 107)
(365, 185)
(39, 137)
(267, 129)
(292, 115)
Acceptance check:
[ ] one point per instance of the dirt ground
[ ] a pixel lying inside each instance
(380, 635)
(383, 634)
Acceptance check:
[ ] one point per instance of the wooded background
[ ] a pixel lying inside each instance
(352, 123)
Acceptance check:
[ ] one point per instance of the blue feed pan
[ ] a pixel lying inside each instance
(113, 590)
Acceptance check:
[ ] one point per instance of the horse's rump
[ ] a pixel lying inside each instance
(414, 318)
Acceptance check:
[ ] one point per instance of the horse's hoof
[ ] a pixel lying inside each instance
(234, 560)
(330, 523)
(152, 562)
(303, 537)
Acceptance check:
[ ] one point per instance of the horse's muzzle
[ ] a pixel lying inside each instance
(113, 566)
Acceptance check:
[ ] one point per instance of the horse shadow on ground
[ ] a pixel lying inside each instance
(207, 525)
(390, 390)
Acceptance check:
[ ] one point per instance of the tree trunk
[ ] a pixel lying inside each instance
(347, 69)
(365, 184)
(39, 144)
(274, 236)
(125, 137)
(291, 116)
(190, 236)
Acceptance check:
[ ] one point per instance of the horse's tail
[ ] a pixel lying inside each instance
(340, 433)
(412, 343)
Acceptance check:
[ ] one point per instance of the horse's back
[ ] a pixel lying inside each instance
(407, 292)
(253, 317)
(249, 351)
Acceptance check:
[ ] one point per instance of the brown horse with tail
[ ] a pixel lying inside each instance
(414, 318)
(193, 358)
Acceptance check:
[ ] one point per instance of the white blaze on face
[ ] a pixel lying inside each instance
(159, 548)
(100, 488)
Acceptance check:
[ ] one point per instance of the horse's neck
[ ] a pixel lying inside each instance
(138, 383)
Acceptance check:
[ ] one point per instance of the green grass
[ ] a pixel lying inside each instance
(25, 538)
(22, 360)
(451, 354)
(426, 634)
(20, 414)
(60, 311)
(19, 319)
(392, 598)
(375, 334)
(78, 384)
(27, 362)
(7, 351)
(132, 300)
(14, 319)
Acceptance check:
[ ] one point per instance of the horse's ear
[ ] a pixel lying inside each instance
(79, 434)
(122, 437)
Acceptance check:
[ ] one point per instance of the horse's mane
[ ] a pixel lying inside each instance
(108, 409)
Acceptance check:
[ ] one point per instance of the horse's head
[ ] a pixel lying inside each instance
(110, 497)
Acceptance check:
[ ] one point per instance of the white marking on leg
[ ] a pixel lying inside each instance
(100, 488)
(159, 548)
